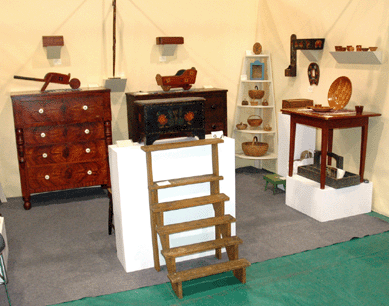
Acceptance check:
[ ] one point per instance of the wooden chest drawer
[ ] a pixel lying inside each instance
(63, 176)
(214, 126)
(63, 153)
(59, 110)
(54, 108)
(43, 135)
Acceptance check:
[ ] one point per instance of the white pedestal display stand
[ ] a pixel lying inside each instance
(131, 203)
(327, 204)
(304, 194)
(6, 250)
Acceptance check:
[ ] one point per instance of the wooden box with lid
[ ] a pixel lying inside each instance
(168, 118)
(215, 107)
(62, 139)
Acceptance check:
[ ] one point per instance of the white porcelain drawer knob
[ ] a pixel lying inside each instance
(89, 172)
(87, 150)
(87, 131)
(41, 111)
(44, 155)
(43, 135)
(85, 107)
(47, 177)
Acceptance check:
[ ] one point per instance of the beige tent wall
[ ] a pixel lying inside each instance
(216, 34)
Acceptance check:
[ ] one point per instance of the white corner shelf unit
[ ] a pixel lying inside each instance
(358, 57)
(266, 112)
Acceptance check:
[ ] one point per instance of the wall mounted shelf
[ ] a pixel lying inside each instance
(358, 57)
(53, 45)
(169, 44)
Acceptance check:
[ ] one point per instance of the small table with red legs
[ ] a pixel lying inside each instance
(327, 122)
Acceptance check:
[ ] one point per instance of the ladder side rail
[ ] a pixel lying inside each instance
(154, 217)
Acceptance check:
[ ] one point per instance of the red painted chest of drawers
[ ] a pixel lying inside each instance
(62, 139)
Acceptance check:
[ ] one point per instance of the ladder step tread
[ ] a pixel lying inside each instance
(201, 247)
(186, 181)
(181, 144)
(186, 275)
(173, 205)
(196, 224)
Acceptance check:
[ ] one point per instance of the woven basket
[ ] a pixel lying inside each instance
(255, 148)
(241, 126)
(256, 93)
(254, 120)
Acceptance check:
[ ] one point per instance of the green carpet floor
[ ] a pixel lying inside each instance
(355, 272)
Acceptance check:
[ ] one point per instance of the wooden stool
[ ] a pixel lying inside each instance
(274, 179)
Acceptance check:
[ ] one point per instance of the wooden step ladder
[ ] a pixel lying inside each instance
(220, 221)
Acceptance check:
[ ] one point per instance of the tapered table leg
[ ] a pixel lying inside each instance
(292, 144)
(323, 164)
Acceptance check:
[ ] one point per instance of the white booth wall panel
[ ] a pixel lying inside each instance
(305, 140)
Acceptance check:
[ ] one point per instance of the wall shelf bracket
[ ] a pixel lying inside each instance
(301, 44)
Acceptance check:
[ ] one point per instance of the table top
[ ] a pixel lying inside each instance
(330, 115)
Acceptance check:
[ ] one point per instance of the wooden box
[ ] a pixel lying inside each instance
(312, 172)
(215, 107)
(296, 103)
(167, 118)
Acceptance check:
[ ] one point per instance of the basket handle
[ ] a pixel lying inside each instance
(254, 116)
(255, 140)
(256, 87)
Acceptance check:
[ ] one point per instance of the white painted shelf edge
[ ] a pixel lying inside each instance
(255, 131)
(266, 156)
(358, 57)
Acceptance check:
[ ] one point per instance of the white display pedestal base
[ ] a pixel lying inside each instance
(327, 204)
(131, 201)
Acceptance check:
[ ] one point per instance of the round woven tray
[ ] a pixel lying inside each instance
(339, 93)
(255, 148)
